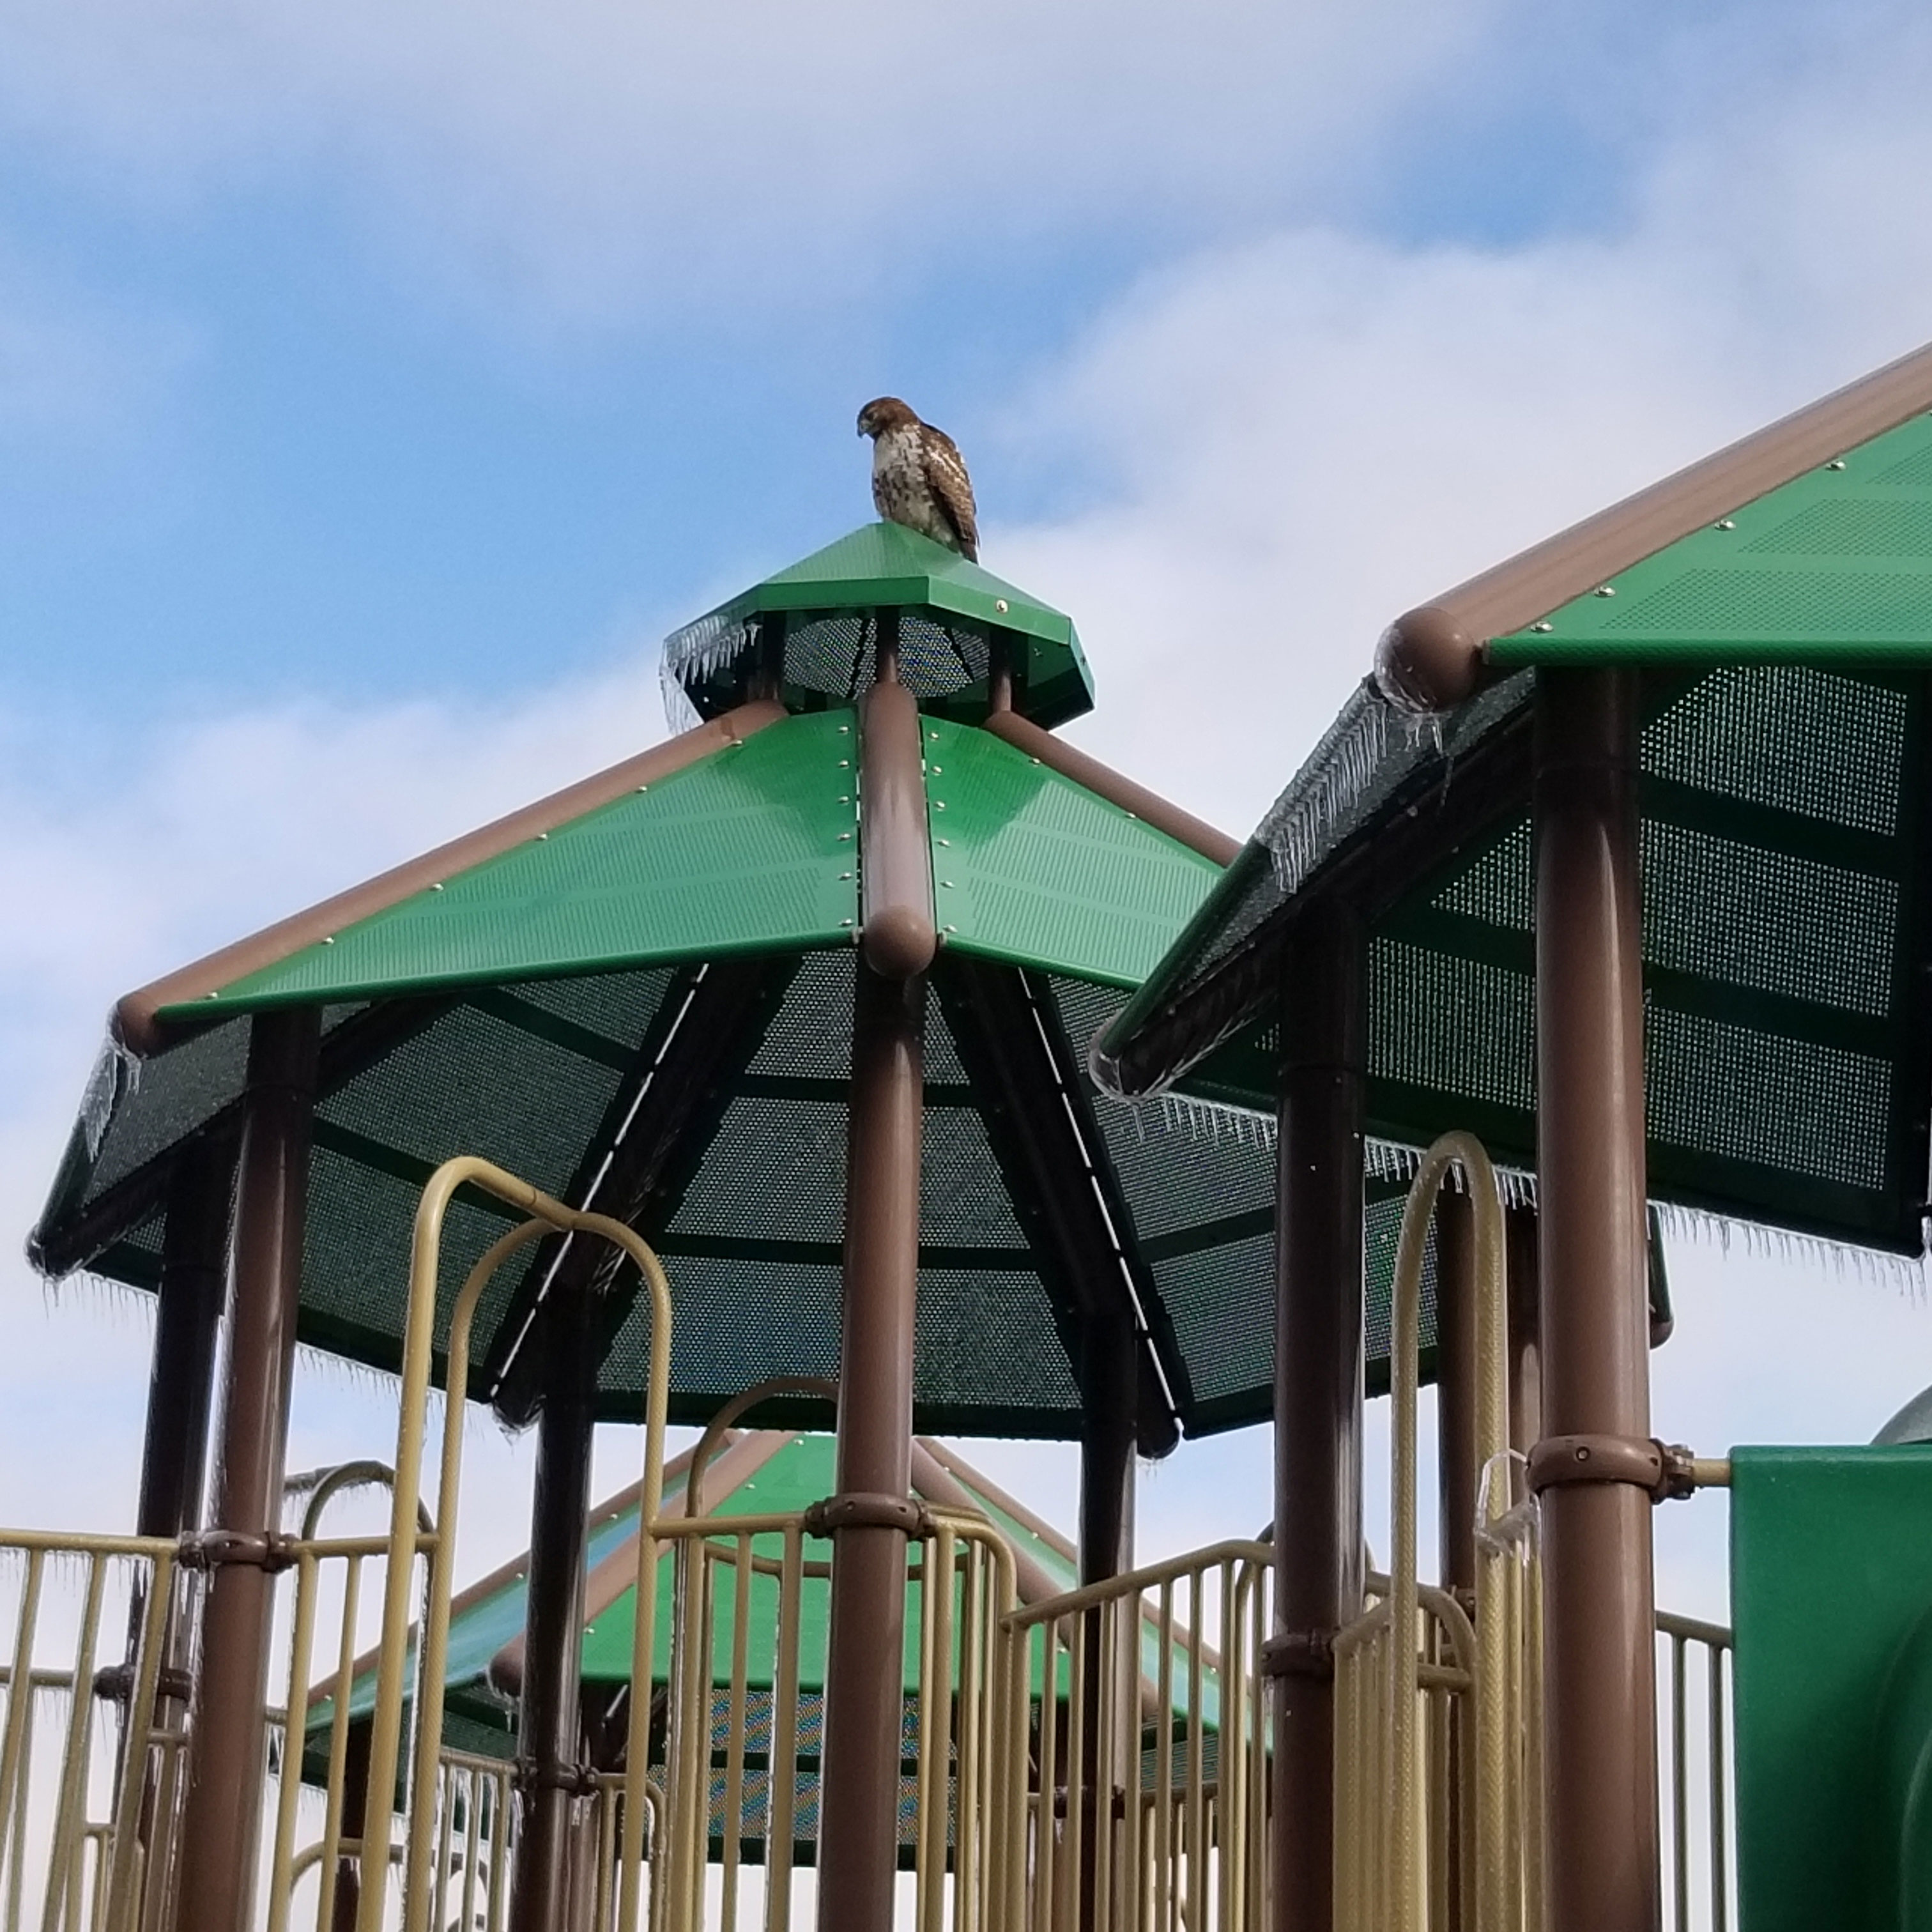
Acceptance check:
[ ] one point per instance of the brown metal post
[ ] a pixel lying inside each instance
(355, 1816)
(549, 1720)
(180, 1393)
(858, 1848)
(181, 1388)
(1521, 1236)
(228, 1748)
(1600, 1723)
(1317, 1393)
(1109, 1381)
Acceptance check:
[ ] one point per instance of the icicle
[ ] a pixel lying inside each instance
(1298, 829)
(116, 1074)
(699, 651)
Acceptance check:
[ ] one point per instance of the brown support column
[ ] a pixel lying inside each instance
(1600, 1721)
(227, 1751)
(181, 1389)
(1318, 1392)
(355, 1816)
(1521, 1236)
(549, 1723)
(181, 1392)
(1110, 1379)
(1109, 1383)
(858, 1846)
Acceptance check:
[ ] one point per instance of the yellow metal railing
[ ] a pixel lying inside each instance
(405, 1539)
(738, 1698)
(1700, 1888)
(1141, 1749)
(87, 1827)
(1092, 1760)
(1417, 1679)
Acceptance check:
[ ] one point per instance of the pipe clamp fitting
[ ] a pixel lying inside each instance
(1307, 1654)
(861, 1509)
(224, 1548)
(1664, 1470)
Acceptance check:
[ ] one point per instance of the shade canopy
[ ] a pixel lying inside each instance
(637, 994)
(1776, 601)
(808, 630)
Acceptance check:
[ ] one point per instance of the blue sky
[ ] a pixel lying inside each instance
(378, 383)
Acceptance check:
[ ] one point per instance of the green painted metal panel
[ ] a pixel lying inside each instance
(1834, 566)
(1030, 868)
(951, 611)
(750, 851)
(1832, 1600)
(887, 564)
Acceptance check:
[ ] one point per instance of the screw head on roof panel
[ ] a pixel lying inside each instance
(1542, 625)
(1836, 463)
(1000, 605)
(1604, 590)
(1727, 523)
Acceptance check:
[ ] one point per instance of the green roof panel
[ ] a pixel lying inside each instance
(1835, 567)
(1031, 869)
(817, 619)
(750, 850)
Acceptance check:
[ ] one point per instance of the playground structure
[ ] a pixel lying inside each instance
(867, 1033)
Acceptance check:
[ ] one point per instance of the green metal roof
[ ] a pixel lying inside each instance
(1835, 567)
(519, 1008)
(815, 621)
(750, 850)
(485, 1620)
(1030, 869)
(754, 849)
(1785, 794)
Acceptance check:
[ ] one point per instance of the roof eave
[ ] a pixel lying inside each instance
(1433, 656)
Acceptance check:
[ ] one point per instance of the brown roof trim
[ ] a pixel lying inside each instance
(937, 1483)
(1116, 788)
(746, 1455)
(134, 1021)
(949, 1459)
(1431, 655)
(626, 1499)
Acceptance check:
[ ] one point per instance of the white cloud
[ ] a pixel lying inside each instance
(204, 832)
(594, 153)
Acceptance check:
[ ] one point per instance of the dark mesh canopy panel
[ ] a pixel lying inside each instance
(1784, 812)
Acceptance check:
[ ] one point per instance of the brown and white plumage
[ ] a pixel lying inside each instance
(918, 477)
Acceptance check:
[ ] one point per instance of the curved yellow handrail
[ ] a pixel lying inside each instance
(406, 1540)
(1491, 1420)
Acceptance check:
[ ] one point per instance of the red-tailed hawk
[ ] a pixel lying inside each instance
(918, 477)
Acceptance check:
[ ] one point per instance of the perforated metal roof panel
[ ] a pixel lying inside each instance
(1837, 564)
(751, 849)
(1030, 868)
(814, 625)
(1785, 795)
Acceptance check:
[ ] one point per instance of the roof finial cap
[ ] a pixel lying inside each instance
(1425, 661)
